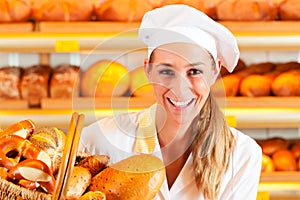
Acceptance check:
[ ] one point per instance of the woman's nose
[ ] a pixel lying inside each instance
(181, 86)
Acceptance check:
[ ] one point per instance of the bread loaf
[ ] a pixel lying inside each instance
(286, 66)
(284, 160)
(121, 10)
(15, 11)
(62, 10)
(136, 177)
(96, 195)
(35, 83)
(246, 10)
(287, 84)
(272, 145)
(94, 163)
(65, 81)
(255, 85)
(10, 79)
(289, 10)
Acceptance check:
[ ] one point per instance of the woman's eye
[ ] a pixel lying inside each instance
(167, 72)
(195, 72)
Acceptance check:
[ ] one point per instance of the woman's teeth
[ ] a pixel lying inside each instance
(180, 103)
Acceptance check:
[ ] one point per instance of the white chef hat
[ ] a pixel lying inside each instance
(182, 23)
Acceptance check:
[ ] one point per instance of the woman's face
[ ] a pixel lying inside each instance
(181, 75)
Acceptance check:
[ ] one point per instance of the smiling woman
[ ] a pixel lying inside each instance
(204, 158)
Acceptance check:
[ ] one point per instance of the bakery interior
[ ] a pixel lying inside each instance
(51, 53)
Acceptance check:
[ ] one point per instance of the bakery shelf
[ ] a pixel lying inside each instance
(281, 176)
(107, 36)
(246, 114)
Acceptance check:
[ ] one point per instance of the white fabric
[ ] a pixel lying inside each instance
(116, 137)
(181, 23)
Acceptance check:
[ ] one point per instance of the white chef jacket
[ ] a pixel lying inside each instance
(117, 137)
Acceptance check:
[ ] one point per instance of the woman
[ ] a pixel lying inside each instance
(204, 158)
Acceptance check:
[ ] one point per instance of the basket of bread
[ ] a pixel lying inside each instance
(44, 164)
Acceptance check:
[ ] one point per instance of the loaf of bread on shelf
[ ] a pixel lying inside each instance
(286, 66)
(295, 149)
(15, 11)
(289, 10)
(228, 85)
(287, 84)
(62, 10)
(284, 160)
(65, 81)
(10, 79)
(206, 6)
(267, 164)
(121, 10)
(35, 83)
(255, 85)
(246, 10)
(105, 78)
(272, 145)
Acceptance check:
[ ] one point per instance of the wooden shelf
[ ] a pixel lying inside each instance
(280, 177)
(267, 35)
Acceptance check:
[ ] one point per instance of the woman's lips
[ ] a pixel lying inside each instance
(181, 104)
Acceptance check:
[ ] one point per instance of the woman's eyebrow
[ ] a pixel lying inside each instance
(163, 64)
(195, 64)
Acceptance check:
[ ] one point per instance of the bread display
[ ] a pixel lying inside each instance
(246, 10)
(105, 78)
(65, 81)
(272, 145)
(35, 83)
(62, 10)
(15, 11)
(10, 79)
(289, 10)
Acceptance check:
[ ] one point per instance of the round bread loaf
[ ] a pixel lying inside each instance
(289, 10)
(287, 84)
(246, 10)
(284, 160)
(267, 164)
(228, 85)
(62, 10)
(295, 149)
(255, 85)
(137, 177)
(15, 11)
(272, 145)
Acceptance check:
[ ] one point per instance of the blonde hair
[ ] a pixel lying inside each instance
(211, 148)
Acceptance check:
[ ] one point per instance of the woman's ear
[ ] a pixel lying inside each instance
(147, 68)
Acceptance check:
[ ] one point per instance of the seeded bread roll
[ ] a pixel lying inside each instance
(52, 141)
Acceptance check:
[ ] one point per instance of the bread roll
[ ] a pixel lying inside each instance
(295, 149)
(94, 163)
(136, 177)
(287, 84)
(260, 68)
(272, 145)
(139, 84)
(246, 10)
(10, 79)
(79, 181)
(62, 10)
(289, 10)
(283, 67)
(206, 6)
(96, 195)
(65, 81)
(35, 83)
(255, 85)
(51, 140)
(267, 164)
(15, 11)
(121, 10)
(105, 78)
(284, 160)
